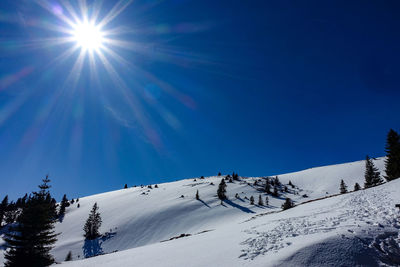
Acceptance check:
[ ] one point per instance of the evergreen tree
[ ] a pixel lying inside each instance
(252, 200)
(288, 204)
(266, 201)
(260, 201)
(93, 223)
(357, 187)
(3, 209)
(69, 256)
(267, 188)
(64, 203)
(222, 190)
(343, 187)
(276, 181)
(275, 193)
(197, 195)
(372, 175)
(392, 162)
(31, 240)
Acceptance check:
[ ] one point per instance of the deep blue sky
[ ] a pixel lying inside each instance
(255, 87)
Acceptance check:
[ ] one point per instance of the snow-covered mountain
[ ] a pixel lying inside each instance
(167, 226)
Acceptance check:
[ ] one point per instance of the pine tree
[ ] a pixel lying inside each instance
(392, 162)
(288, 204)
(93, 224)
(277, 182)
(197, 195)
(343, 187)
(31, 240)
(275, 193)
(372, 175)
(64, 203)
(267, 188)
(260, 201)
(252, 200)
(357, 187)
(3, 209)
(69, 256)
(222, 190)
(266, 201)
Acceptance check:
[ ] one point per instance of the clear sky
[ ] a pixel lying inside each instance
(185, 88)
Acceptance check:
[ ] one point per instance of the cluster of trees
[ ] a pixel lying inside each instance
(372, 175)
(31, 238)
(29, 242)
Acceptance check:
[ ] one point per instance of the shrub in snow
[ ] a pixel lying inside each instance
(260, 201)
(288, 204)
(357, 187)
(285, 189)
(343, 187)
(69, 256)
(252, 200)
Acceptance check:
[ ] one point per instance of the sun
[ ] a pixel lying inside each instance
(88, 36)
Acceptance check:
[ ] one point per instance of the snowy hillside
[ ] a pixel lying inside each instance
(355, 229)
(139, 222)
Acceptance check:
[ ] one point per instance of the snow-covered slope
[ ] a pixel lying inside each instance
(136, 220)
(356, 229)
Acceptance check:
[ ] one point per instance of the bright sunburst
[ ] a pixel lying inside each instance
(88, 36)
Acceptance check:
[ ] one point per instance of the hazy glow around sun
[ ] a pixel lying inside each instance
(88, 36)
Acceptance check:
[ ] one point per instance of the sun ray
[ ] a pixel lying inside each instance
(76, 70)
(114, 12)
